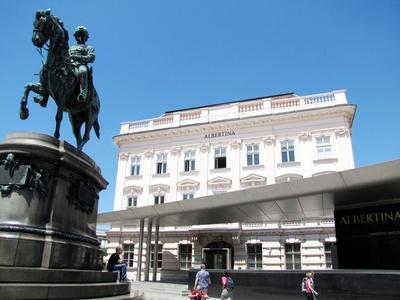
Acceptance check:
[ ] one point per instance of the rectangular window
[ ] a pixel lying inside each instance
(220, 158)
(159, 199)
(328, 254)
(162, 163)
(293, 256)
(159, 256)
(287, 150)
(324, 147)
(187, 196)
(254, 256)
(185, 256)
(253, 155)
(129, 254)
(190, 161)
(132, 202)
(135, 166)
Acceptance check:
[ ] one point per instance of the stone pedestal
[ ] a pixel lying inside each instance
(48, 204)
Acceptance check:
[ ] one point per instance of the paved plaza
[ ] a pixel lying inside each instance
(154, 291)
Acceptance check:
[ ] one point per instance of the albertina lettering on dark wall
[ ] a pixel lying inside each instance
(368, 237)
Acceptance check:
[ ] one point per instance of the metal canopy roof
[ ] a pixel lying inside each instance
(305, 198)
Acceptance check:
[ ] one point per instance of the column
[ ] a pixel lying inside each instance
(157, 229)
(148, 248)
(139, 266)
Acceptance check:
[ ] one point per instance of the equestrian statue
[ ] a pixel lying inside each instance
(65, 77)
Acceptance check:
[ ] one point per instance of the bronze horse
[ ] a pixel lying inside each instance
(57, 79)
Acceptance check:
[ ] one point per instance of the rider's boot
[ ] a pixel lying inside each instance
(83, 88)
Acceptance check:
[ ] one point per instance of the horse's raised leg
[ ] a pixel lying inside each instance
(42, 101)
(37, 88)
(59, 117)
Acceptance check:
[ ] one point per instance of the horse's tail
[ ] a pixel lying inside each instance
(96, 127)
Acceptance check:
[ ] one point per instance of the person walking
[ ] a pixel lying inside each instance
(227, 286)
(202, 281)
(309, 287)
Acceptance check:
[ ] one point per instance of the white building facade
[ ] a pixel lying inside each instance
(197, 152)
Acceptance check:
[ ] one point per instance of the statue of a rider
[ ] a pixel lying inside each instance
(81, 55)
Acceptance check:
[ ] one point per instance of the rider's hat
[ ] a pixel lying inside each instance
(81, 30)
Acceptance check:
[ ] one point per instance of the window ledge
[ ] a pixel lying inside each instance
(135, 177)
(160, 175)
(253, 167)
(222, 170)
(188, 173)
(325, 161)
(289, 164)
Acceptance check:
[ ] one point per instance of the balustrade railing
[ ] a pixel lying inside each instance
(193, 115)
(163, 121)
(255, 106)
(319, 99)
(284, 103)
(266, 105)
(139, 124)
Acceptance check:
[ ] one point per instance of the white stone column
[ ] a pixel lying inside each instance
(269, 158)
(204, 168)
(174, 168)
(235, 163)
(148, 249)
(147, 173)
(121, 174)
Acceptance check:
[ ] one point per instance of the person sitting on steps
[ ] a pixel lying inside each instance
(115, 263)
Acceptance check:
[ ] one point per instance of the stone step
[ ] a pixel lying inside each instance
(161, 291)
(11, 291)
(41, 275)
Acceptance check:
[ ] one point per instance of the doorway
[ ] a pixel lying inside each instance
(218, 255)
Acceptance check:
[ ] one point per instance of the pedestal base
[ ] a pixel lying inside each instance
(37, 283)
(48, 204)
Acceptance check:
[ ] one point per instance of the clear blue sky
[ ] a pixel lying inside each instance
(156, 56)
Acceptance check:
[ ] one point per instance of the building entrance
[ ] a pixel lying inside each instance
(218, 255)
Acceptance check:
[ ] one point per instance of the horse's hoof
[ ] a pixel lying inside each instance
(40, 101)
(24, 113)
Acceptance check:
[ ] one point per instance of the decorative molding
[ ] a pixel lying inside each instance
(82, 195)
(14, 176)
(219, 183)
(289, 164)
(220, 170)
(305, 137)
(205, 147)
(188, 185)
(176, 150)
(342, 132)
(324, 173)
(47, 232)
(159, 189)
(149, 153)
(253, 167)
(132, 190)
(123, 156)
(253, 180)
(288, 177)
(270, 140)
(235, 144)
(332, 160)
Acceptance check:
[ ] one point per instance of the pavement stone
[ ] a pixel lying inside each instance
(141, 290)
